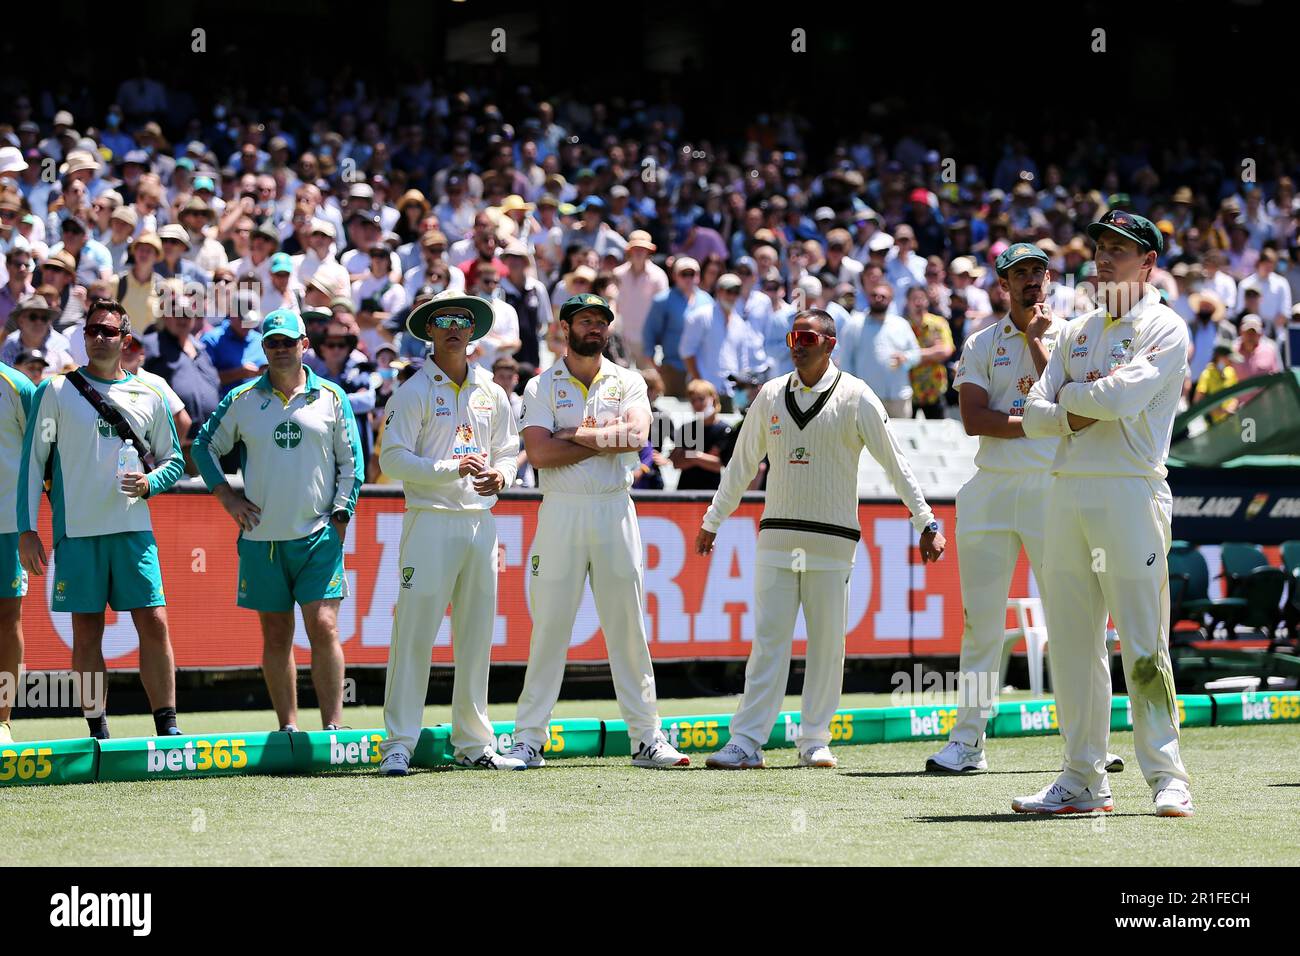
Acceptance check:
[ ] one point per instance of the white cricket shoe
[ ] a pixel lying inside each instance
(6, 733)
(1174, 801)
(735, 757)
(396, 763)
(526, 754)
(659, 753)
(1060, 799)
(1114, 763)
(490, 760)
(818, 755)
(957, 757)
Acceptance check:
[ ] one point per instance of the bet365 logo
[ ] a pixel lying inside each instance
(288, 434)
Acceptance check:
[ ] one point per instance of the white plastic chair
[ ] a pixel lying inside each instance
(1032, 626)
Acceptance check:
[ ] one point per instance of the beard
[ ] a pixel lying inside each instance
(584, 347)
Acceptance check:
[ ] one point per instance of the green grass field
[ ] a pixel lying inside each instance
(878, 807)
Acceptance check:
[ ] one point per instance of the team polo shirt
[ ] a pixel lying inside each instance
(300, 455)
(85, 494)
(432, 424)
(1126, 373)
(16, 391)
(997, 358)
(556, 400)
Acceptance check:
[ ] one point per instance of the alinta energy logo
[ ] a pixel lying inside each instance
(288, 434)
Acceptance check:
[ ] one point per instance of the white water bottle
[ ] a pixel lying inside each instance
(128, 462)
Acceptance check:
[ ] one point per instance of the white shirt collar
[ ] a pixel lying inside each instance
(821, 385)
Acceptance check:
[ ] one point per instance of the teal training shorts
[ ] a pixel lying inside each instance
(274, 575)
(13, 579)
(120, 570)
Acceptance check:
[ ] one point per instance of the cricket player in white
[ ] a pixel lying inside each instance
(1111, 392)
(16, 391)
(584, 420)
(812, 425)
(1003, 507)
(450, 438)
(302, 469)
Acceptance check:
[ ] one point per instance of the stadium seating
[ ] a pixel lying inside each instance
(1031, 624)
(1189, 594)
(1250, 577)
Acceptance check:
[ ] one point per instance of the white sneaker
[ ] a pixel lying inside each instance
(1059, 799)
(1174, 801)
(957, 757)
(818, 755)
(396, 763)
(1114, 763)
(659, 753)
(489, 760)
(735, 757)
(525, 754)
(6, 733)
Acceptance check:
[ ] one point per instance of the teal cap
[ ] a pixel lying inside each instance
(281, 262)
(283, 322)
(1016, 252)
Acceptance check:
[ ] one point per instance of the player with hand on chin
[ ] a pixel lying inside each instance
(1003, 507)
(1111, 393)
(812, 425)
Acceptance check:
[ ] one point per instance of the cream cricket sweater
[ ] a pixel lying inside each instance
(813, 438)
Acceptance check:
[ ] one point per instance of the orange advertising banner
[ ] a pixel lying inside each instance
(697, 607)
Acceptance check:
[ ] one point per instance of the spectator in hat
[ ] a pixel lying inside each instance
(364, 233)
(639, 282)
(18, 285)
(31, 362)
(434, 269)
(319, 262)
(283, 291)
(1206, 327)
(527, 296)
(885, 352)
(138, 286)
(378, 282)
(101, 211)
(667, 320)
(771, 316)
(35, 317)
(1274, 308)
(593, 232)
(1247, 304)
(204, 250)
(121, 229)
(1258, 354)
(1218, 375)
(93, 260)
(59, 272)
(964, 276)
(235, 345)
(173, 264)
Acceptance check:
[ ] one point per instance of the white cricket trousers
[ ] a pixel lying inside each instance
(778, 594)
(580, 535)
(452, 555)
(1107, 541)
(998, 513)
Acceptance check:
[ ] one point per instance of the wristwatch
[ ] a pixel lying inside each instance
(931, 528)
(342, 517)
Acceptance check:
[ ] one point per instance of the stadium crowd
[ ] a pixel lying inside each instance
(349, 208)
